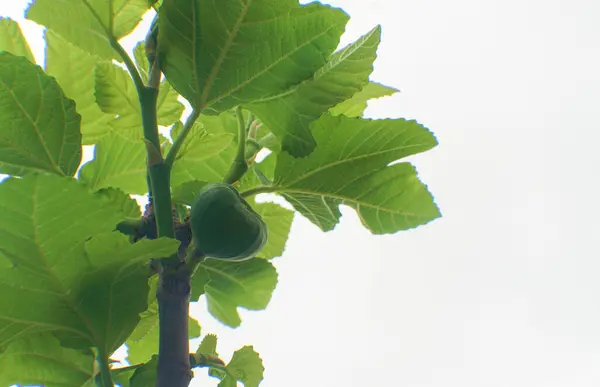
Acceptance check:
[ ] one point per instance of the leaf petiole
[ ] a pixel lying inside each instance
(135, 75)
(178, 143)
(239, 166)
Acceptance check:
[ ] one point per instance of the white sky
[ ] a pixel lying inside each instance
(503, 290)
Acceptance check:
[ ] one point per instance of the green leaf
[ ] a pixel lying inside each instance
(71, 66)
(12, 39)
(195, 330)
(121, 376)
(349, 165)
(38, 359)
(323, 211)
(145, 375)
(269, 140)
(139, 56)
(199, 281)
(67, 283)
(208, 346)
(13, 170)
(89, 24)
(226, 122)
(344, 74)
(168, 105)
(122, 270)
(118, 163)
(259, 174)
(165, 143)
(355, 106)
(142, 350)
(128, 205)
(203, 156)
(350, 147)
(148, 317)
(39, 127)
(408, 203)
(186, 192)
(279, 221)
(116, 94)
(238, 52)
(247, 284)
(217, 373)
(245, 366)
(148, 320)
(207, 153)
(208, 150)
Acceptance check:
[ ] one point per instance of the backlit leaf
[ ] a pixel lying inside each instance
(118, 163)
(40, 360)
(74, 276)
(238, 52)
(245, 366)
(186, 192)
(39, 127)
(247, 284)
(208, 346)
(128, 205)
(12, 39)
(323, 211)
(89, 24)
(349, 166)
(203, 156)
(72, 67)
(355, 106)
(259, 174)
(145, 375)
(116, 94)
(139, 55)
(345, 73)
(278, 221)
(168, 106)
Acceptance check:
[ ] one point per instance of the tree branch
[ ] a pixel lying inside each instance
(173, 297)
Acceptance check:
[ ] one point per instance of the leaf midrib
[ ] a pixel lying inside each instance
(340, 162)
(341, 197)
(217, 66)
(260, 73)
(34, 126)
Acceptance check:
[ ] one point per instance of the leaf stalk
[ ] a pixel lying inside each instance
(240, 165)
(178, 143)
(114, 43)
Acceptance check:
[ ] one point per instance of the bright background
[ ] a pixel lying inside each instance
(503, 290)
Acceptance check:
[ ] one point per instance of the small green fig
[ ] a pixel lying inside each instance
(224, 225)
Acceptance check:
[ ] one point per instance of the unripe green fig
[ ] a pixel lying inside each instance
(224, 226)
